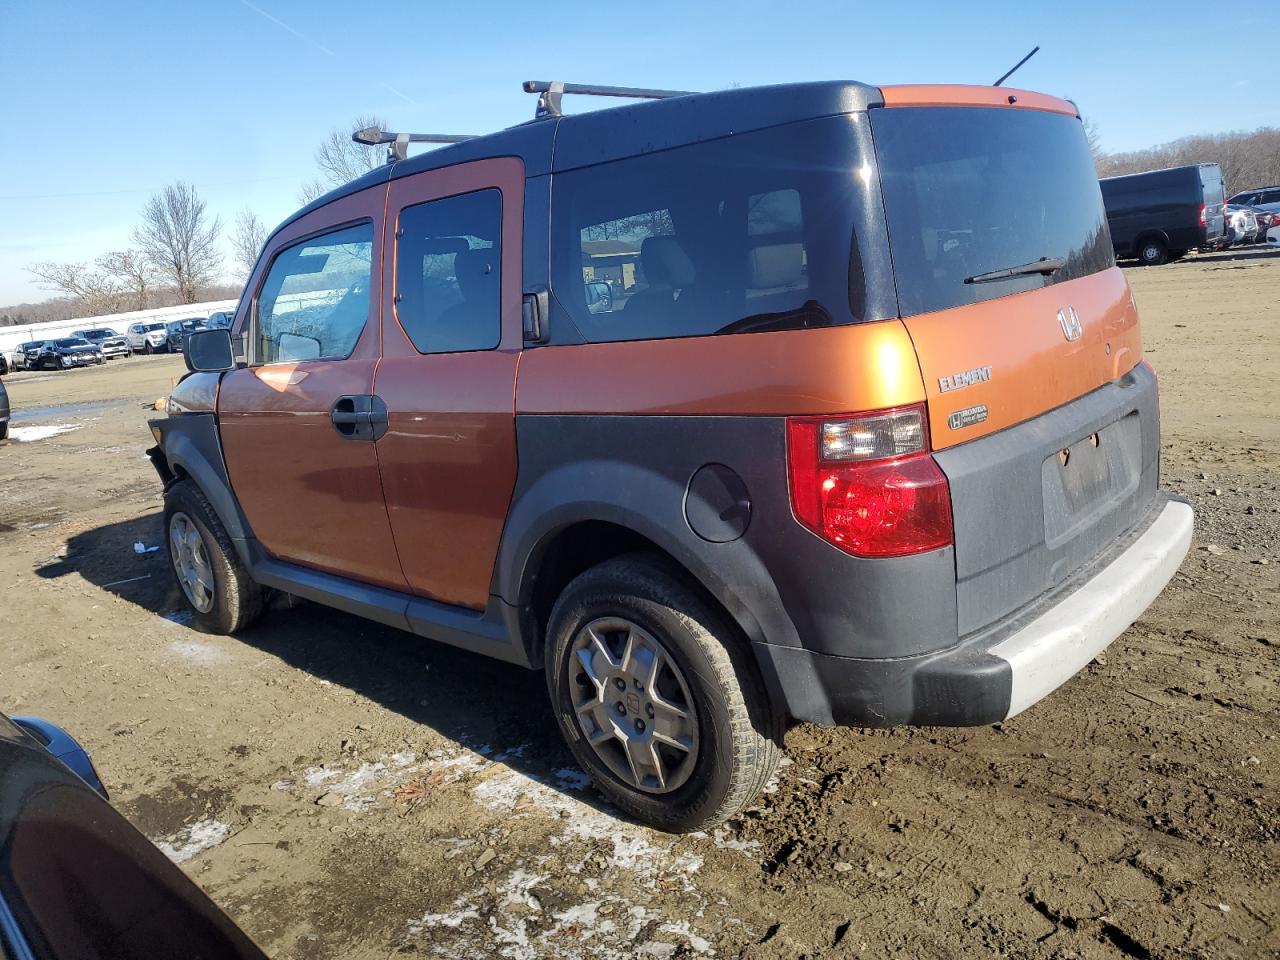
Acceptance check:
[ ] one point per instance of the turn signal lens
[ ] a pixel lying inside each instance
(867, 484)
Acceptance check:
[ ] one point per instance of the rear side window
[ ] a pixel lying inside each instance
(974, 190)
(748, 233)
(449, 273)
(315, 300)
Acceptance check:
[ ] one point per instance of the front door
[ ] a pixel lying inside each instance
(300, 422)
(452, 336)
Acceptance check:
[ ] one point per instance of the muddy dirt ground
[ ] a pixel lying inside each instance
(343, 790)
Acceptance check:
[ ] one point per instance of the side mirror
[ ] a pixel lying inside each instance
(209, 350)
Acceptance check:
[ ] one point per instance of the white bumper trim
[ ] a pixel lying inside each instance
(1060, 642)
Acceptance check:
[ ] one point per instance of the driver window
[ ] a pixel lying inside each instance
(315, 300)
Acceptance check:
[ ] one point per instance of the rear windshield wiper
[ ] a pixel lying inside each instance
(1043, 265)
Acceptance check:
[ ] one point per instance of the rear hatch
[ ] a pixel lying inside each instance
(1027, 338)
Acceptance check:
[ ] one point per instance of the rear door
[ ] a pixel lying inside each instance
(1214, 202)
(1047, 433)
(299, 423)
(452, 293)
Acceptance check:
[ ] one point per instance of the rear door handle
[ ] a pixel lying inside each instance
(359, 417)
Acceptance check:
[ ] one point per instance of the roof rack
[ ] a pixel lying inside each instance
(398, 143)
(552, 90)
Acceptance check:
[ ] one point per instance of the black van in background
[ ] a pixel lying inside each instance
(1160, 215)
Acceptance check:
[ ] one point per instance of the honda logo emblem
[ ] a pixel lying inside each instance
(1069, 320)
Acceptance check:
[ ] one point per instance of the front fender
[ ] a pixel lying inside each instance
(190, 447)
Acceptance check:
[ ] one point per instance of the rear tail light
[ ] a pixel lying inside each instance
(867, 483)
(1203, 222)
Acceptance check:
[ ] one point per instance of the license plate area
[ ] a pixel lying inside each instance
(1090, 478)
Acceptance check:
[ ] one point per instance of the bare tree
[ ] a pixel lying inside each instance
(341, 159)
(247, 238)
(96, 291)
(1094, 138)
(134, 271)
(178, 237)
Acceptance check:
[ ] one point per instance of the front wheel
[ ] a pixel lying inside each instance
(150, 349)
(657, 697)
(221, 595)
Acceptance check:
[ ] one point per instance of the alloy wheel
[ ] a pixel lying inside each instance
(191, 562)
(632, 704)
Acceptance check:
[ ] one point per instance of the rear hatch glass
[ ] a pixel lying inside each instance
(970, 191)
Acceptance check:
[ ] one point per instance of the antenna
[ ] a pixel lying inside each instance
(552, 90)
(1016, 66)
(399, 142)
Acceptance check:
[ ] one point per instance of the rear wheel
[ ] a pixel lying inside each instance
(657, 698)
(221, 595)
(4, 431)
(1153, 252)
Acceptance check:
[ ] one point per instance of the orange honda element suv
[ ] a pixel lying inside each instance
(817, 402)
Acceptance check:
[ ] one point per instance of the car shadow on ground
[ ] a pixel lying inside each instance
(468, 698)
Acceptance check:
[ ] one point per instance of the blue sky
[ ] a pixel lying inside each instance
(104, 104)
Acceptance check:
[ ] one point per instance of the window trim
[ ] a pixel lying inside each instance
(251, 340)
(398, 234)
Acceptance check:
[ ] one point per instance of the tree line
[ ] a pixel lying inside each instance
(1248, 158)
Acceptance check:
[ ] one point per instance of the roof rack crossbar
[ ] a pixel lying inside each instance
(398, 143)
(552, 90)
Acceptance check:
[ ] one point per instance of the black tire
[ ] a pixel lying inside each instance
(237, 600)
(149, 349)
(739, 735)
(4, 432)
(1152, 252)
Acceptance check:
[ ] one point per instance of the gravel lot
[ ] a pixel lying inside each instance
(343, 790)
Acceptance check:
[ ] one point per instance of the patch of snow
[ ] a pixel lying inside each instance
(568, 778)
(696, 943)
(41, 432)
(198, 837)
(463, 911)
(197, 651)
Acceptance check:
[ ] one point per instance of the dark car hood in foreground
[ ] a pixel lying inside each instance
(77, 881)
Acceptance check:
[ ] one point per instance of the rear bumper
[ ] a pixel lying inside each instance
(1006, 668)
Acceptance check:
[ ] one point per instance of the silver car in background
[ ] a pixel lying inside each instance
(148, 337)
(111, 343)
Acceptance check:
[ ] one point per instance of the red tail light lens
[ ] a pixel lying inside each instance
(1203, 221)
(867, 483)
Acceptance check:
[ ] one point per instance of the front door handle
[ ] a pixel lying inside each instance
(359, 417)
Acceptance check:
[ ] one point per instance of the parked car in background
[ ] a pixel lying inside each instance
(148, 337)
(68, 352)
(1159, 215)
(849, 449)
(1242, 225)
(77, 881)
(1265, 198)
(4, 364)
(24, 356)
(112, 343)
(177, 331)
(4, 412)
(1273, 237)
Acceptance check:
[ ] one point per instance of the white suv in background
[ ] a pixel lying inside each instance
(148, 337)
